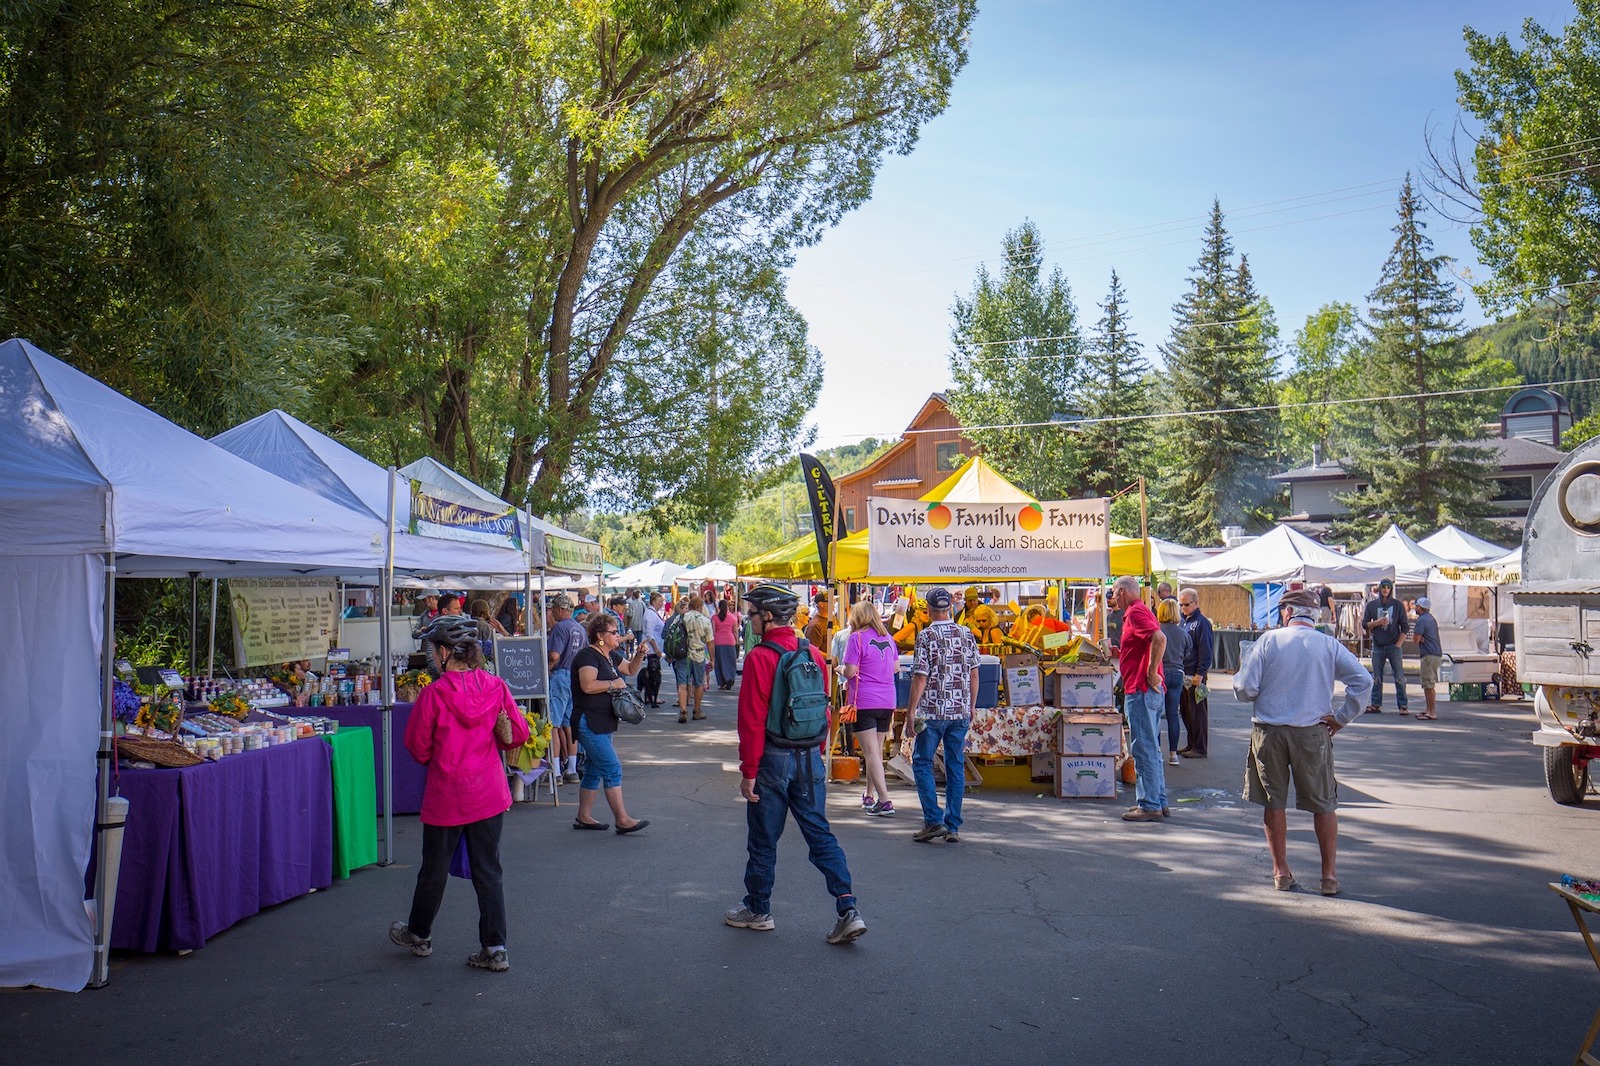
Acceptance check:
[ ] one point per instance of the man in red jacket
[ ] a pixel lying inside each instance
(778, 779)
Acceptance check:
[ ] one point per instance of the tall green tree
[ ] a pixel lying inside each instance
(1016, 361)
(1113, 445)
(1327, 355)
(1220, 447)
(1532, 186)
(1418, 462)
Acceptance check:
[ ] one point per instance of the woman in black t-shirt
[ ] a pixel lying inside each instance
(594, 678)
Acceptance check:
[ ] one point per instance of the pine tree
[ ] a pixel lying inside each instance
(1217, 455)
(1016, 362)
(1112, 454)
(1418, 469)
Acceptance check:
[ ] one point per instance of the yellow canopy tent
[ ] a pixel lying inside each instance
(975, 482)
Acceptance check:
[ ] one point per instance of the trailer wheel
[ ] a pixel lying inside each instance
(1567, 780)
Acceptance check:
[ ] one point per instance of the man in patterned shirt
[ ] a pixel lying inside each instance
(944, 691)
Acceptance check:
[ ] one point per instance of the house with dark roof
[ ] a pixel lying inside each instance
(1523, 457)
(930, 450)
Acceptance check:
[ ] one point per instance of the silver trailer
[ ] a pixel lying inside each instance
(1558, 621)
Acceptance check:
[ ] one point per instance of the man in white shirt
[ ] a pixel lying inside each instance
(650, 675)
(1289, 678)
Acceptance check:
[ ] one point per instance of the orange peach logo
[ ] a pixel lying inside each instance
(1031, 517)
(938, 516)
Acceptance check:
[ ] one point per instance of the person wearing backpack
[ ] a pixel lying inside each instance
(783, 723)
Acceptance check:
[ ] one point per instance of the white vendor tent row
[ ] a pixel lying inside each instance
(1411, 561)
(1168, 557)
(92, 486)
(650, 574)
(1461, 547)
(715, 570)
(1281, 556)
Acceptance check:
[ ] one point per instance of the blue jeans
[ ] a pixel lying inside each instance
(600, 762)
(1174, 678)
(1388, 653)
(952, 733)
(1144, 716)
(688, 672)
(791, 781)
(560, 697)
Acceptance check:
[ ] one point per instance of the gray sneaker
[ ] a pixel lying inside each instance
(929, 833)
(489, 960)
(745, 918)
(847, 928)
(401, 934)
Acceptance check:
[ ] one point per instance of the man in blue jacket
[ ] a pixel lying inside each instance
(1385, 621)
(1194, 707)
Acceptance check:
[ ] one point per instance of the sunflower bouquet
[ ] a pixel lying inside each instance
(161, 714)
(533, 750)
(409, 684)
(231, 705)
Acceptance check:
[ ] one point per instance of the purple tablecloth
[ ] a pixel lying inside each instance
(409, 775)
(209, 845)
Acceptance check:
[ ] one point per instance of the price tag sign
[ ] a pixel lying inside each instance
(125, 669)
(171, 678)
(338, 655)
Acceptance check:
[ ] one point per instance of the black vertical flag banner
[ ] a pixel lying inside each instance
(819, 490)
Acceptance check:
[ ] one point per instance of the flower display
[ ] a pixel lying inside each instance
(162, 713)
(232, 705)
(124, 702)
(538, 741)
(413, 679)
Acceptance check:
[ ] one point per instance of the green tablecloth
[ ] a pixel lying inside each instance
(355, 818)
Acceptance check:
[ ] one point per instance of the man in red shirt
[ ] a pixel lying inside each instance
(778, 779)
(1139, 657)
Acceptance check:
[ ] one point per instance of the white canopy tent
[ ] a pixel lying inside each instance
(92, 485)
(1281, 556)
(1411, 561)
(1165, 556)
(1461, 547)
(650, 574)
(715, 570)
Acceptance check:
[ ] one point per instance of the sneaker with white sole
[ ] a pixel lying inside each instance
(883, 809)
(1172, 760)
(745, 918)
(867, 802)
(929, 833)
(494, 960)
(401, 934)
(847, 928)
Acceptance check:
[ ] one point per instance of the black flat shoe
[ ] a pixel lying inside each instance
(634, 828)
(592, 825)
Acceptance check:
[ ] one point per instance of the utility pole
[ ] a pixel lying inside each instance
(716, 346)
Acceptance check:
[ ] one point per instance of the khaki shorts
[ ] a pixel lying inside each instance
(1279, 751)
(1430, 670)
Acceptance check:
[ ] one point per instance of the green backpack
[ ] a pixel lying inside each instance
(797, 716)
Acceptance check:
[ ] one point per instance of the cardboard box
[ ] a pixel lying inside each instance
(1084, 686)
(1024, 683)
(1086, 776)
(1079, 733)
(1042, 767)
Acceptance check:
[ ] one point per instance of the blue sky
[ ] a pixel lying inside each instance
(1112, 127)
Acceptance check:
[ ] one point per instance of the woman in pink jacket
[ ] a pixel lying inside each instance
(453, 733)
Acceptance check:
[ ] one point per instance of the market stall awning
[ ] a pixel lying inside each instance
(1411, 561)
(794, 561)
(283, 445)
(976, 482)
(1459, 546)
(1282, 556)
(650, 574)
(715, 570)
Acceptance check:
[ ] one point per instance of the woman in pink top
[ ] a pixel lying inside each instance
(871, 663)
(725, 644)
(452, 732)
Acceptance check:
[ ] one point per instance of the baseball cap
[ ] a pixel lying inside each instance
(1300, 598)
(425, 593)
(1425, 603)
(1386, 583)
(938, 599)
(561, 602)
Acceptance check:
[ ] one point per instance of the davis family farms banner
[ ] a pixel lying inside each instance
(1011, 541)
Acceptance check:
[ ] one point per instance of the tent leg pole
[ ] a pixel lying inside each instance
(194, 623)
(100, 972)
(211, 644)
(386, 592)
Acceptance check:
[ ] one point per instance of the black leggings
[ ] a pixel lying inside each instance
(483, 851)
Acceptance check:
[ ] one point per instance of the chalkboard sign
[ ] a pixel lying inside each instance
(520, 662)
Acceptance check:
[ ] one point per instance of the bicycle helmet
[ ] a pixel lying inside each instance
(451, 630)
(775, 600)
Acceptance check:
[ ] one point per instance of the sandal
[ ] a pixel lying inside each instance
(1424, 716)
(1329, 886)
(1373, 708)
(1404, 711)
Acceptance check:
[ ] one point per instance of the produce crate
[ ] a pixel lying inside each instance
(1086, 776)
(1085, 733)
(1467, 691)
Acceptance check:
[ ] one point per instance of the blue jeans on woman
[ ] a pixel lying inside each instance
(1173, 675)
(1144, 715)
(791, 781)
(1388, 653)
(952, 733)
(600, 763)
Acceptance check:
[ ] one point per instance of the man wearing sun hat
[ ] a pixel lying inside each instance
(1288, 678)
(1385, 621)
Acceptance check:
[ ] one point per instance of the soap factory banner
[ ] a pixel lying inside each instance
(280, 620)
(1011, 541)
(435, 514)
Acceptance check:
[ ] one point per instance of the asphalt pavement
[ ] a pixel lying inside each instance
(1053, 931)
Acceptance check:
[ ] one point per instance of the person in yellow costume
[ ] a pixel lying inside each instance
(906, 635)
(981, 620)
(969, 600)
